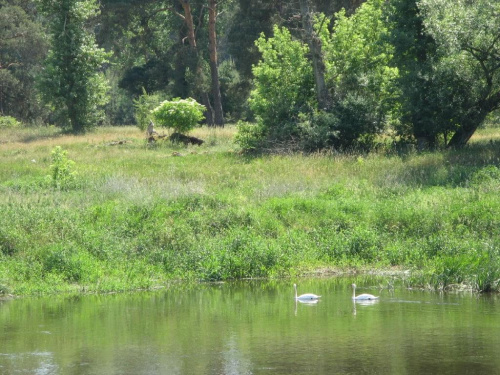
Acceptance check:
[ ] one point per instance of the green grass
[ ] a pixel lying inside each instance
(138, 216)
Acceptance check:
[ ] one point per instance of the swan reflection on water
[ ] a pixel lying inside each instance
(311, 302)
(363, 302)
(307, 303)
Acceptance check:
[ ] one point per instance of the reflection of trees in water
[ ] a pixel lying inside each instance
(234, 361)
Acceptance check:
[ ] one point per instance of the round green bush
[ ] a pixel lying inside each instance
(182, 115)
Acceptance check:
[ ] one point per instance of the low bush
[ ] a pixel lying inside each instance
(144, 105)
(182, 115)
(8, 122)
(62, 173)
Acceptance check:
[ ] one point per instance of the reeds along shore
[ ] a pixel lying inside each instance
(137, 216)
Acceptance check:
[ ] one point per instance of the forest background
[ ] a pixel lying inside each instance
(312, 74)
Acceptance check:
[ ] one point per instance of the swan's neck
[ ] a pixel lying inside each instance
(295, 287)
(353, 292)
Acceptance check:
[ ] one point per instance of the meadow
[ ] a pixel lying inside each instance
(109, 212)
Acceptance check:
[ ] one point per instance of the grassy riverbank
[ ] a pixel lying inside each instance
(137, 216)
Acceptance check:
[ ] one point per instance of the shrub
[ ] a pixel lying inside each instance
(250, 136)
(486, 175)
(8, 122)
(319, 131)
(144, 105)
(182, 115)
(62, 174)
(284, 88)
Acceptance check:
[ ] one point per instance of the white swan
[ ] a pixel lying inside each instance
(305, 297)
(361, 297)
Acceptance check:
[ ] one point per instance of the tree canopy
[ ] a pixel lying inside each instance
(424, 72)
(72, 82)
(22, 48)
(467, 35)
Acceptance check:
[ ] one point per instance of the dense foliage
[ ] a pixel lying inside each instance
(283, 85)
(358, 75)
(358, 59)
(144, 106)
(22, 48)
(72, 83)
(9, 122)
(423, 72)
(467, 62)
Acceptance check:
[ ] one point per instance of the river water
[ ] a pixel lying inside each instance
(254, 327)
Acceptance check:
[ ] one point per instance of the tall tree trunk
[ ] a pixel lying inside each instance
(314, 42)
(188, 19)
(461, 137)
(467, 129)
(209, 113)
(469, 126)
(214, 69)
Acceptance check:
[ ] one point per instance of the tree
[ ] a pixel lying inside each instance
(447, 53)
(314, 43)
(72, 82)
(467, 34)
(414, 51)
(355, 70)
(22, 48)
(214, 66)
(143, 38)
(162, 49)
(359, 74)
(284, 85)
(199, 74)
(251, 18)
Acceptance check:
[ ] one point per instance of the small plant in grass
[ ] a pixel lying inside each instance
(182, 115)
(62, 174)
(144, 105)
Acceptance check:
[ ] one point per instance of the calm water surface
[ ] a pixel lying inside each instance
(253, 328)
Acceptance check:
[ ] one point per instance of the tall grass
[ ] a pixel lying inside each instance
(139, 215)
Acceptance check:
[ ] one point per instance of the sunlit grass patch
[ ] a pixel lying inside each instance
(489, 133)
(138, 215)
(146, 190)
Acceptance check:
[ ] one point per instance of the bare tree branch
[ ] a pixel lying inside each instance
(9, 65)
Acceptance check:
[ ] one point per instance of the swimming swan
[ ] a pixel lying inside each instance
(305, 297)
(361, 297)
